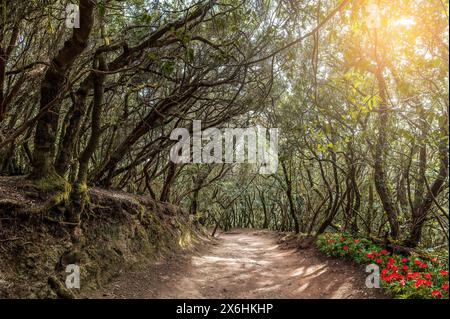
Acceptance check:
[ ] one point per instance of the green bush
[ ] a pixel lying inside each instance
(404, 277)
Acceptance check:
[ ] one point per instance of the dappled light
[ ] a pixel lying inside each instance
(224, 149)
(252, 264)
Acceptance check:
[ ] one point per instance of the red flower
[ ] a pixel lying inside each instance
(404, 260)
(378, 261)
(433, 260)
(443, 272)
(345, 248)
(444, 286)
(423, 265)
(427, 276)
(394, 275)
(417, 262)
(428, 283)
(412, 275)
(384, 252)
(391, 260)
(419, 282)
(357, 241)
(402, 283)
(369, 255)
(405, 267)
(384, 271)
(435, 293)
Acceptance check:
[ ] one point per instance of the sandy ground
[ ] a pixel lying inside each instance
(243, 264)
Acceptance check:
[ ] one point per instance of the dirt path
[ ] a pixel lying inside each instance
(244, 264)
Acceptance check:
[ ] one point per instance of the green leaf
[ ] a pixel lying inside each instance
(101, 8)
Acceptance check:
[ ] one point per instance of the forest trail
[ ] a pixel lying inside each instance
(243, 264)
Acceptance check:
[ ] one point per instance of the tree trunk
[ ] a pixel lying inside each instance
(290, 200)
(420, 212)
(381, 180)
(95, 122)
(170, 178)
(71, 133)
(334, 208)
(78, 196)
(52, 88)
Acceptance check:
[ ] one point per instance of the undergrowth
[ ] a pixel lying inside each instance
(422, 276)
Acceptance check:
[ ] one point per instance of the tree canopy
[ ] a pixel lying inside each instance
(357, 89)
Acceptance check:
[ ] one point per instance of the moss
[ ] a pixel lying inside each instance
(141, 212)
(75, 201)
(61, 198)
(52, 183)
(114, 240)
(80, 193)
(79, 190)
(59, 288)
(56, 185)
(185, 240)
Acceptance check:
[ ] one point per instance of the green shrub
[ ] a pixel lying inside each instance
(404, 277)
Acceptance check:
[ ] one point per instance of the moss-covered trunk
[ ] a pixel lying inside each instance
(52, 88)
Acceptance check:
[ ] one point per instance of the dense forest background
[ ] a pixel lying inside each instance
(358, 90)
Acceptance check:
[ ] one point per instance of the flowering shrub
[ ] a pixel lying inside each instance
(404, 277)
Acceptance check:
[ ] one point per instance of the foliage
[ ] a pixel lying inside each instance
(359, 96)
(414, 276)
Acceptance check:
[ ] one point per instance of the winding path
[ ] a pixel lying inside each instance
(243, 264)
